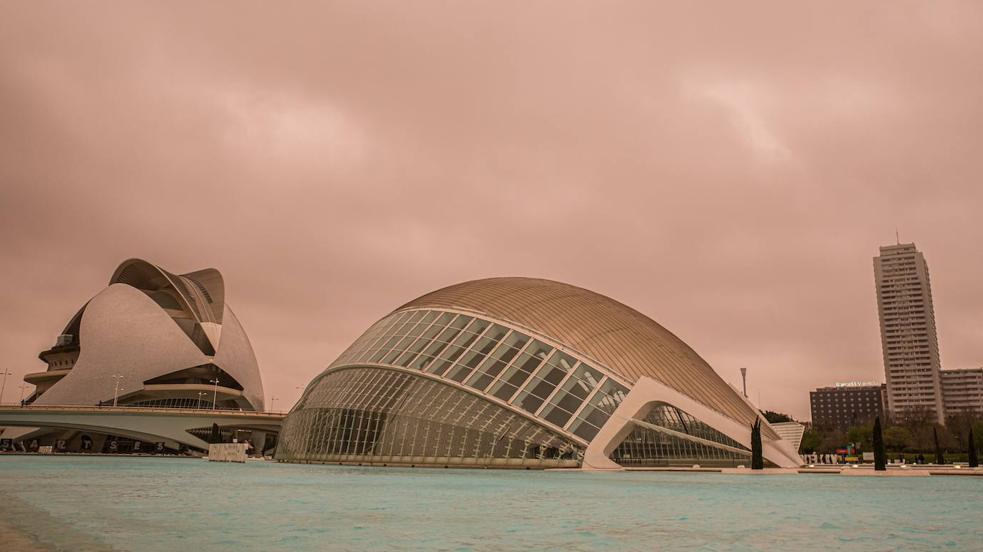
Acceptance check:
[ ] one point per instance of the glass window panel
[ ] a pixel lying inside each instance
(496, 361)
(430, 316)
(454, 328)
(461, 322)
(439, 346)
(411, 335)
(425, 339)
(418, 328)
(556, 415)
(504, 390)
(572, 395)
(415, 317)
(377, 331)
(588, 376)
(609, 397)
(528, 401)
(545, 381)
(384, 348)
(393, 335)
(444, 319)
(520, 370)
(423, 361)
(562, 361)
(586, 431)
(446, 336)
(399, 330)
(370, 340)
(600, 408)
(478, 326)
(474, 357)
(489, 370)
(455, 350)
(516, 340)
(446, 359)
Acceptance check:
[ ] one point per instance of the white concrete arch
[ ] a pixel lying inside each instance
(648, 392)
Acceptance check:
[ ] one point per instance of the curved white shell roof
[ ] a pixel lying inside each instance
(127, 329)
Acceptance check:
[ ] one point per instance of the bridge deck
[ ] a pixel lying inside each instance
(197, 412)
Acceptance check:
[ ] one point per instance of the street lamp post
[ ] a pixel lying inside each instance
(200, 395)
(3, 386)
(214, 393)
(23, 387)
(273, 401)
(117, 378)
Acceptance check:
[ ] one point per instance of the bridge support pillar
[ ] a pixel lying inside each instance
(259, 441)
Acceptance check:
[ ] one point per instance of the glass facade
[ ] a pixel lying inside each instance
(645, 446)
(383, 416)
(495, 361)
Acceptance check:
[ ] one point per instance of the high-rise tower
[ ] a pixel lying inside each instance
(908, 336)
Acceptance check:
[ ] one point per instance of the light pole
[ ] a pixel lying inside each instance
(3, 386)
(23, 387)
(214, 393)
(117, 378)
(200, 395)
(273, 401)
(744, 380)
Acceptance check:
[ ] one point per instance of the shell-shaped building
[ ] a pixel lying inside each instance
(520, 372)
(154, 339)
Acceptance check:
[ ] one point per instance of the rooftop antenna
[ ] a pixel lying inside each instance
(744, 380)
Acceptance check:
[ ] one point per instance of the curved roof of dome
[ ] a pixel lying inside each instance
(619, 338)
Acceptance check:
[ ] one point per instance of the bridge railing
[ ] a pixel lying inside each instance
(143, 409)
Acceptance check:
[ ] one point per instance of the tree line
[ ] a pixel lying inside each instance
(915, 435)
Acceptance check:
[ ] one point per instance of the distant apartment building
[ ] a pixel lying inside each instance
(908, 336)
(847, 404)
(962, 391)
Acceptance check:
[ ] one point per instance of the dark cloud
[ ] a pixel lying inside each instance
(729, 170)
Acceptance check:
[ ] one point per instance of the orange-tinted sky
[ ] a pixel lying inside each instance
(727, 168)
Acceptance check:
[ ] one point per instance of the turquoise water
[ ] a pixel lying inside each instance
(151, 504)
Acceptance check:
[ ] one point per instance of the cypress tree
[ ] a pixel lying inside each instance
(939, 457)
(974, 461)
(880, 457)
(757, 459)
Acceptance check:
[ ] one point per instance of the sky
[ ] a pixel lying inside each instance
(727, 168)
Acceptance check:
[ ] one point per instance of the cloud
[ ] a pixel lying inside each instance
(728, 170)
(743, 103)
(285, 129)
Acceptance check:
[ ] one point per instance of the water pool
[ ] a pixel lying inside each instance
(151, 504)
